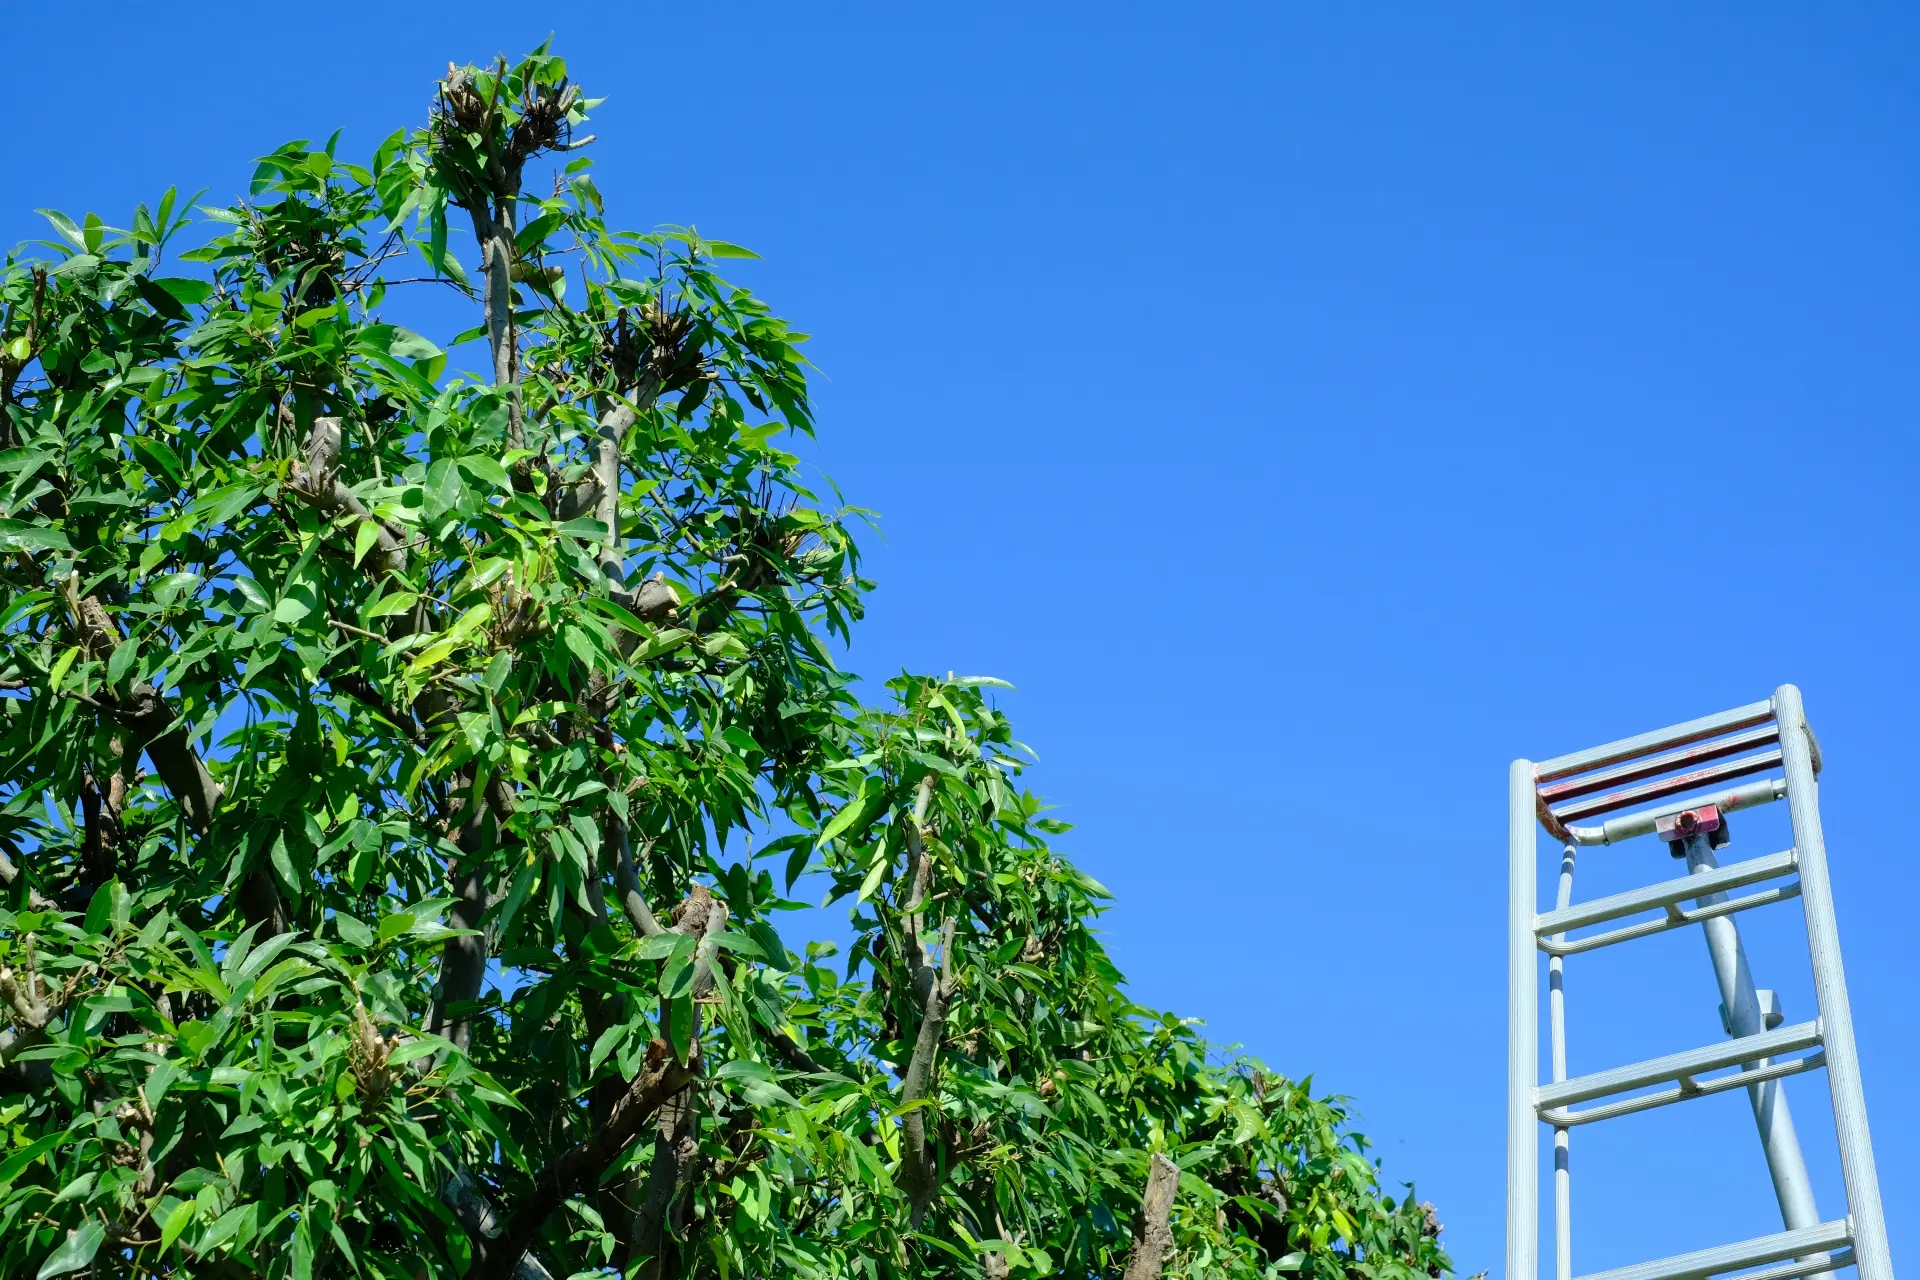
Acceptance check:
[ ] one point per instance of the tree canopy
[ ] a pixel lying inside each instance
(407, 771)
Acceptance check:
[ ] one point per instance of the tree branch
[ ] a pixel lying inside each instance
(36, 901)
(316, 482)
(919, 874)
(632, 900)
(919, 1172)
(31, 1009)
(153, 727)
(660, 1078)
(606, 474)
(361, 689)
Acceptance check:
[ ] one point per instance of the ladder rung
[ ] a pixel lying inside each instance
(1735, 875)
(1706, 777)
(1565, 1118)
(1678, 1066)
(1812, 1264)
(1748, 1253)
(1661, 764)
(1659, 740)
(1674, 919)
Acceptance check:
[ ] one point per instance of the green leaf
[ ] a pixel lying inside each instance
(676, 979)
(604, 1046)
(159, 1079)
(764, 1093)
(187, 291)
(226, 1226)
(391, 603)
(17, 535)
(365, 534)
(76, 1252)
(178, 1219)
(855, 814)
(680, 1027)
(485, 470)
(535, 233)
(243, 1125)
(662, 642)
(158, 456)
(161, 300)
(405, 344)
(283, 866)
(65, 226)
(875, 873)
(419, 1046)
(443, 488)
(78, 1188)
(664, 944)
(300, 1253)
(107, 908)
(351, 931)
(19, 1160)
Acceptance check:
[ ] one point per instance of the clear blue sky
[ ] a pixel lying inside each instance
(1310, 408)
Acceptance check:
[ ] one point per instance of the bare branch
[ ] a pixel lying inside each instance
(632, 900)
(36, 901)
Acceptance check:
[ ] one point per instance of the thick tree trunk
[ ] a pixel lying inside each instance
(1152, 1237)
(463, 960)
(664, 1211)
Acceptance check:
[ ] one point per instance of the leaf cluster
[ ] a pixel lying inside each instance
(407, 767)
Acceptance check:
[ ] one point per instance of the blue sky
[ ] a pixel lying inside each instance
(1310, 408)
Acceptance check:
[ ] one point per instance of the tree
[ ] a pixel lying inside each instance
(362, 720)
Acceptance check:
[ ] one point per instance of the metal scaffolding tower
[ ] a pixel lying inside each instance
(1675, 771)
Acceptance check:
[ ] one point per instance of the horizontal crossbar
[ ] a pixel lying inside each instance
(1659, 740)
(1734, 875)
(1640, 769)
(1567, 1118)
(1712, 775)
(1678, 1066)
(1748, 1253)
(1676, 918)
(1812, 1265)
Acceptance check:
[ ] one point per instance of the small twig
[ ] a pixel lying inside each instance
(358, 631)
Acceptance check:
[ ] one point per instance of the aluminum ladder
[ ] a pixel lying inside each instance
(1688, 761)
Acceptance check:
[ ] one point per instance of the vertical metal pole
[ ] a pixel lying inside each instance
(1557, 1033)
(1830, 986)
(1742, 1005)
(1523, 1031)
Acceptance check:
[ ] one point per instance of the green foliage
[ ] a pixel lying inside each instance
(360, 714)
